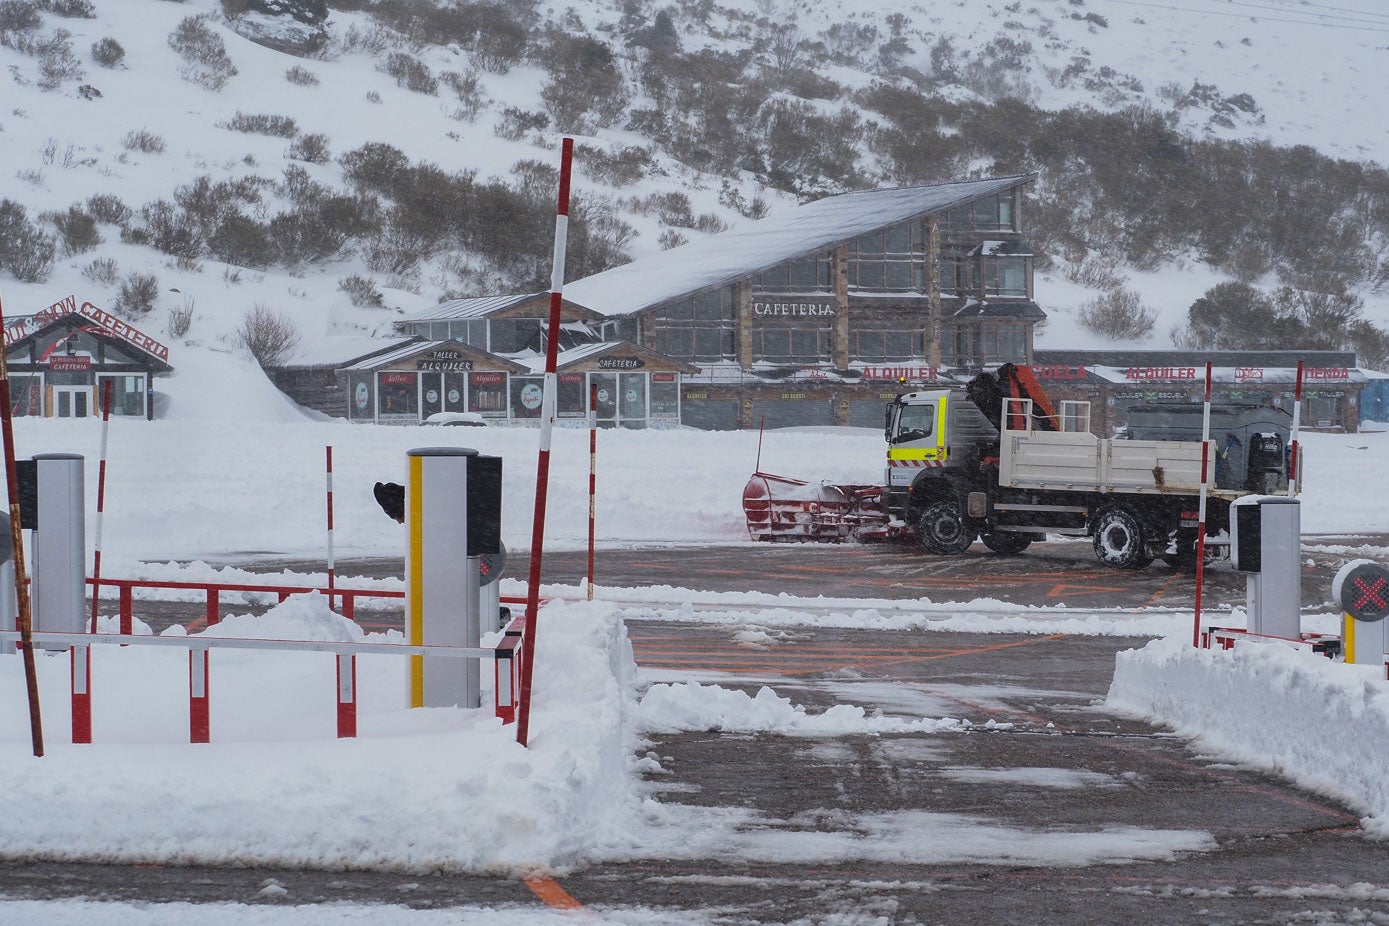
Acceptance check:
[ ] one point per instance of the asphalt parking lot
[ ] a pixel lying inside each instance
(1053, 770)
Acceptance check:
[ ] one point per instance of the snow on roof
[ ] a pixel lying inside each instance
(572, 355)
(475, 307)
(335, 351)
(407, 349)
(754, 246)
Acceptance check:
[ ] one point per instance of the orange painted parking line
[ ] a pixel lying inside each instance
(548, 890)
(1153, 599)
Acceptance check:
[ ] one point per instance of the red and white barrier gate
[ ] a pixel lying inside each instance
(506, 656)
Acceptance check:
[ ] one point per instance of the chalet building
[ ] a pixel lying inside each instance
(63, 360)
(810, 317)
(1114, 381)
(486, 357)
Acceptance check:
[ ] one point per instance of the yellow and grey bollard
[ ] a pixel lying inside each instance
(452, 517)
(1362, 588)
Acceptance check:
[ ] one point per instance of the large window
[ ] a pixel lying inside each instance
(891, 260)
(976, 344)
(881, 345)
(813, 273)
(510, 335)
(791, 344)
(956, 274)
(988, 213)
(1005, 276)
(702, 327)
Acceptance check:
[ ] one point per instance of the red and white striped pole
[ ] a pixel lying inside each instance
(331, 570)
(547, 424)
(1201, 511)
(592, 477)
(101, 500)
(1294, 472)
(21, 579)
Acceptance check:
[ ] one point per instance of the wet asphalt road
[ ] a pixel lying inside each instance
(1277, 854)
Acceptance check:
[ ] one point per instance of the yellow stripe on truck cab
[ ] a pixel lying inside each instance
(414, 628)
(916, 453)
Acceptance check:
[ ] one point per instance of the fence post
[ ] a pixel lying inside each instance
(81, 694)
(199, 719)
(347, 696)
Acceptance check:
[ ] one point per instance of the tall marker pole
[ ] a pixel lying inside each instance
(21, 580)
(101, 498)
(1294, 472)
(547, 425)
(331, 570)
(1201, 514)
(592, 477)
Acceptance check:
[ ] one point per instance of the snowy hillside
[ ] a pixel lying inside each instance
(182, 102)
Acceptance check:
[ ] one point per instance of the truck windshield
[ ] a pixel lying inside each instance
(915, 422)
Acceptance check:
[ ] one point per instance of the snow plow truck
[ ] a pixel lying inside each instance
(998, 462)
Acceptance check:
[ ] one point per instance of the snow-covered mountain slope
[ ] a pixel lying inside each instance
(1294, 73)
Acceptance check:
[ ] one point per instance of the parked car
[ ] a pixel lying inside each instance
(457, 419)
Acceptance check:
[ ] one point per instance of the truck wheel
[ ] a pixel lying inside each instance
(943, 530)
(1006, 543)
(1119, 540)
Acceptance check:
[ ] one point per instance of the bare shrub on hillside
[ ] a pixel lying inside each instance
(180, 320)
(138, 294)
(19, 16)
(669, 208)
(312, 148)
(516, 123)
(371, 42)
(262, 124)
(76, 230)
(102, 271)
(242, 241)
(670, 238)
(623, 167)
(144, 141)
(268, 336)
(362, 292)
(171, 229)
(69, 9)
(468, 87)
(108, 208)
(57, 61)
(204, 54)
(1097, 272)
(586, 89)
(25, 250)
(301, 76)
(410, 72)
(107, 52)
(375, 166)
(1118, 315)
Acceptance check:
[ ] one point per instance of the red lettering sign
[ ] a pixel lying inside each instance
(62, 362)
(663, 377)
(1159, 373)
(1248, 374)
(397, 379)
(487, 379)
(1326, 373)
(1058, 371)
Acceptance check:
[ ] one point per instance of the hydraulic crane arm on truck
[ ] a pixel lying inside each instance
(999, 462)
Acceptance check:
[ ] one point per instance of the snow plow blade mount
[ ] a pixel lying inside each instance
(781, 508)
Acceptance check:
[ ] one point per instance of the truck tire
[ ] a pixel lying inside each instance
(1119, 540)
(943, 529)
(1006, 543)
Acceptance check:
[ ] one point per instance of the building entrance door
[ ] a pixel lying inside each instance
(71, 401)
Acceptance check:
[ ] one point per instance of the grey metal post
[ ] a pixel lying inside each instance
(60, 544)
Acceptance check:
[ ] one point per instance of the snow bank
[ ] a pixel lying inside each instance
(690, 706)
(431, 789)
(1322, 724)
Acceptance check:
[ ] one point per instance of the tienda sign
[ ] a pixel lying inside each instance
(108, 323)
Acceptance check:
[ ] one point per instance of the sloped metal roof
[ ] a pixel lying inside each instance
(476, 307)
(757, 245)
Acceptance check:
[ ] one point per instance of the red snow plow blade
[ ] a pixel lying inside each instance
(779, 508)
